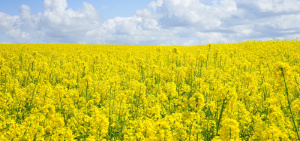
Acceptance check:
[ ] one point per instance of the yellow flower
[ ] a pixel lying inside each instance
(230, 129)
(48, 130)
(124, 92)
(201, 58)
(49, 109)
(281, 69)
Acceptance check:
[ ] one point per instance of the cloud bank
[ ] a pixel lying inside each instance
(168, 22)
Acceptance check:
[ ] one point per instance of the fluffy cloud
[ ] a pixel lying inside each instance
(56, 24)
(182, 22)
(271, 6)
(193, 13)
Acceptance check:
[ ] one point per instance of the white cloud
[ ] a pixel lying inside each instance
(67, 25)
(273, 6)
(183, 22)
(210, 37)
(11, 26)
(25, 12)
(55, 6)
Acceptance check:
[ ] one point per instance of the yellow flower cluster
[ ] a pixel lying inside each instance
(241, 91)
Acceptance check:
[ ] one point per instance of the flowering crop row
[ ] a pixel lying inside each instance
(240, 91)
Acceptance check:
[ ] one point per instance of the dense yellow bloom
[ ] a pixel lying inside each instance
(281, 69)
(230, 129)
(202, 58)
(121, 92)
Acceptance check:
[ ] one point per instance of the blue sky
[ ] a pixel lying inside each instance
(167, 22)
(107, 8)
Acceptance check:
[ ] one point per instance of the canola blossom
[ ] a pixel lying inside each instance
(239, 91)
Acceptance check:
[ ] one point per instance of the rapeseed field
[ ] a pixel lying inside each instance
(239, 91)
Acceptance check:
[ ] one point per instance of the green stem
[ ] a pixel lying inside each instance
(220, 117)
(86, 90)
(290, 105)
(5, 89)
(201, 68)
